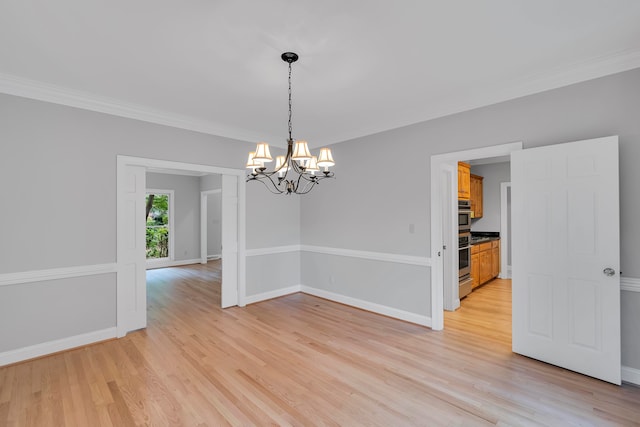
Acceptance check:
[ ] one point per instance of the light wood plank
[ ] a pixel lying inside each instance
(302, 360)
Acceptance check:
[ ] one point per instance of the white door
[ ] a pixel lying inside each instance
(229, 291)
(450, 264)
(566, 256)
(132, 282)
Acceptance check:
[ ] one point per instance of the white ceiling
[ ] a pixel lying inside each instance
(365, 66)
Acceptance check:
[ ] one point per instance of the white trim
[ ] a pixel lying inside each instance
(122, 163)
(353, 253)
(629, 284)
(164, 263)
(43, 349)
(591, 68)
(369, 306)
(56, 273)
(375, 256)
(252, 299)
(273, 250)
(18, 86)
(631, 375)
(505, 269)
(242, 244)
(437, 285)
(214, 256)
(171, 194)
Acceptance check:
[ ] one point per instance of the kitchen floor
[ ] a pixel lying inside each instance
(486, 310)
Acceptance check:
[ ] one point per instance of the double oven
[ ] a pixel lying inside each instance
(464, 247)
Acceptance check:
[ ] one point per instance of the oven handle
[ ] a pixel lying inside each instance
(464, 247)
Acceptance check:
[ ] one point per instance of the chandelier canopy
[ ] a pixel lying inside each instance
(295, 172)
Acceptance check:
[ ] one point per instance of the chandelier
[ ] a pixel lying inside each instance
(295, 172)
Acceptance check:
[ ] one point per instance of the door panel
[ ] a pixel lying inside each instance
(565, 216)
(132, 282)
(229, 295)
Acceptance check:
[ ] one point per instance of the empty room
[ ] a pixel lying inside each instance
(307, 213)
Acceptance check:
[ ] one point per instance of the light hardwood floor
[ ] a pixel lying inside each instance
(301, 360)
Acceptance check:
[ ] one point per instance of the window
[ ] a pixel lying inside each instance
(159, 233)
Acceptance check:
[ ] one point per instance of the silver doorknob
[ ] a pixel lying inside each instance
(609, 272)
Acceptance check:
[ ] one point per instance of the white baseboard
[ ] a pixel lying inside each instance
(164, 264)
(369, 306)
(631, 375)
(505, 274)
(43, 349)
(215, 256)
(251, 299)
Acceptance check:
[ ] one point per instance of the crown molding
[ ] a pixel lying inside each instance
(41, 91)
(530, 84)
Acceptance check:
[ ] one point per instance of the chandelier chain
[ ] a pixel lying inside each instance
(290, 101)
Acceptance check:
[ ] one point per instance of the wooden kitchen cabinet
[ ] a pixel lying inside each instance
(495, 258)
(475, 266)
(464, 181)
(475, 190)
(485, 266)
(485, 262)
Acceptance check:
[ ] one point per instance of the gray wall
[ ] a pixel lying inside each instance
(60, 207)
(32, 313)
(186, 215)
(210, 182)
(214, 213)
(58, 169)
(390, 284)
(493, 175)
(382, 183)
(272, 271)
(214, 224)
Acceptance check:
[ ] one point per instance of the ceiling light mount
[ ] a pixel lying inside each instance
(298, 160)
(289, 57)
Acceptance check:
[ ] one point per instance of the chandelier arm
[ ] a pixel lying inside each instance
(286, 162)
(307, 188)
(309, 177)
(296, 167)
(263, 180)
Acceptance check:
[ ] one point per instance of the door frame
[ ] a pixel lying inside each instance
(437, 199)
(122, 163)
(505, 231)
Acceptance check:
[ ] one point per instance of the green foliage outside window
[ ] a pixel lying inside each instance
(157, 225)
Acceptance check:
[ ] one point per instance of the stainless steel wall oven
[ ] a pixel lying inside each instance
(464, 248)
(464, 215)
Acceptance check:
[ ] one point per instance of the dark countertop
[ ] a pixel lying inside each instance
(478, 237)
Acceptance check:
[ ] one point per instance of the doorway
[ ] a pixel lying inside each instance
(131, 279)
(439, 199)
